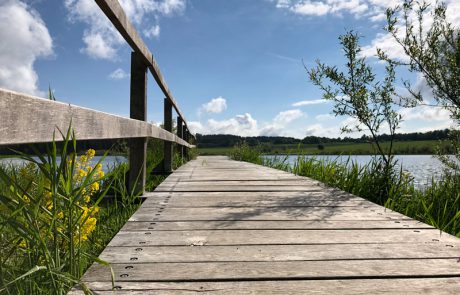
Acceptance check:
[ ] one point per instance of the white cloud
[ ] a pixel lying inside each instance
(216, 105)
(246, 125)
(278, 127)
(118, 74)
(243, 125)
(426, 113)
(101, 40)
(386, 42)
(321, 130)
(309, 102)
(153, 32)
(323, 7)
(24, 38)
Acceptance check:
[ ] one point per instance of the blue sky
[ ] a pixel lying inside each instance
(234, 66)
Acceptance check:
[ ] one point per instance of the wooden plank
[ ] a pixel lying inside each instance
(180, 148)
(412, 286)
(338, 269)
(261, 213)
(115, 13)
(230, 188)
(238, 183)
(167, 150)
(280, 237)
(267, 224)
(276, 253)
(138, 111)
(19, 114)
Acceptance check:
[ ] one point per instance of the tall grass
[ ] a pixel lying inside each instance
(438, 204)
(55, 217)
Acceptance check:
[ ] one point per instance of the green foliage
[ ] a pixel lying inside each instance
(48, 209)
(243, 152)
(356, 94)
(433, 50)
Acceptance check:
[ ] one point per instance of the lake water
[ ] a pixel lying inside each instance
(108, 162)
(421, 167)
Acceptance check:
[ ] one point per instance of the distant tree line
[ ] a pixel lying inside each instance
(227, 140)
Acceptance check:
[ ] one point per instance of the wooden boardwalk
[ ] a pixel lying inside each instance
(217, 226)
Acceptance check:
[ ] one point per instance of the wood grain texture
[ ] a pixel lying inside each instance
(280, 234)
(28, 119)
(430, 286)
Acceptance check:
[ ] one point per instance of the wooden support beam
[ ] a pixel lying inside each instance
(180, 134)
(168, 153)
(186, 138)
(138, 110)
(115, 13)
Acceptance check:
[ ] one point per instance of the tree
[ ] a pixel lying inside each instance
(433, 51)
(357, 94)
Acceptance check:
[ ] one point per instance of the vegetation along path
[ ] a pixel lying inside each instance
(228, 227)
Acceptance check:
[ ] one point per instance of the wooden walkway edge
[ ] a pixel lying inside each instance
(217, 226)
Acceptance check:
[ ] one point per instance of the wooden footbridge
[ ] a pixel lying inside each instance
(217, 226)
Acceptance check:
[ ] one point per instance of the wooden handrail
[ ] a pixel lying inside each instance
(117, 16)
(28, 119)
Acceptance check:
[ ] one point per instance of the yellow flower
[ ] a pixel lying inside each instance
(60, 215)
(83, 159)
(23, 244)
(26, 199)
(86, 198)
(81, 173)
(90, 153)
(94, 186)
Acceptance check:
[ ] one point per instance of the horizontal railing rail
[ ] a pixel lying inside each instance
(27, 119)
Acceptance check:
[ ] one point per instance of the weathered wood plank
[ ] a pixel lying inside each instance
(267, 224)
(265, 213)
(425, 286)
(20, 126)
(277, 253)
(339, 269)
(280, 237)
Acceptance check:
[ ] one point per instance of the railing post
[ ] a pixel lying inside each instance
(186, 137)
(138, 111)
(180, 134)
(167, 160)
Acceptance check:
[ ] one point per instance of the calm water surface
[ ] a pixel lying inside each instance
(421, 167)
(108, 162)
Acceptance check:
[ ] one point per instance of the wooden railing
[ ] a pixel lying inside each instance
(25, 119)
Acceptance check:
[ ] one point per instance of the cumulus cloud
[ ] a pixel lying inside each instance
(243, 125)
(246, 125)
(101, 40)
(280, 122)
(426, 113)
(215, 105)
(321, 130)
(24, 38)
(118, 74)
(309, 102)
